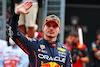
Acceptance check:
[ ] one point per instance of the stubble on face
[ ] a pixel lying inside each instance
(51, 30)
(50, 34)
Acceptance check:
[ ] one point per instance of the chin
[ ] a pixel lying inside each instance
(50, 36)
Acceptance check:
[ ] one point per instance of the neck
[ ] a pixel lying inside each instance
(98, 40)
(50, 38)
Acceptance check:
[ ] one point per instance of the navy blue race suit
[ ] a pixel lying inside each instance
(41, 52)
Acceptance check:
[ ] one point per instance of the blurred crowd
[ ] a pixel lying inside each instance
(12, 56)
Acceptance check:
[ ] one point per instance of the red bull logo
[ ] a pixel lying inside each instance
(50, 64)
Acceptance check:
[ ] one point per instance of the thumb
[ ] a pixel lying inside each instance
(26, 12)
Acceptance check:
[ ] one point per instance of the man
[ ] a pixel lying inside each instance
(67, 42)
(79, 52)
(96, 50)
(46, 52)
(13, 56)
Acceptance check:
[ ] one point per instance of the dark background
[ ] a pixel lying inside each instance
(92, 2)
(88, 16)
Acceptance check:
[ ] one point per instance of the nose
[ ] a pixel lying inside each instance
(51, 27)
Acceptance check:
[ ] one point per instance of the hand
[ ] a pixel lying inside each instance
(78, 58)
(23, 8)
(98, 58)
(97, 54)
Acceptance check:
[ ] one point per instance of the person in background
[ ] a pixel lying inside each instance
(46, 52)
(37, 34)
(79, 51)
(96, 51)
(67, 42)
(28, 20)
(8, 14)
(3, 45)
(13, 56)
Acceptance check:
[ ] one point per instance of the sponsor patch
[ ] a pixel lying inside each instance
(30, 39)
(53, 45)
(42, 46)
(43, 51)
(61, 49)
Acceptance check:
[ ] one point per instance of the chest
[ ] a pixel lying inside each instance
(51, 54)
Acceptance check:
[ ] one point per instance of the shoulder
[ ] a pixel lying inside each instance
(66, 44)
(62, 47)
(3, 42)
(40, 40)
(7, 48)
(82, 47)
(32, 39)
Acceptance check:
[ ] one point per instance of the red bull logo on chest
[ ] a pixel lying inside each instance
(50, 64)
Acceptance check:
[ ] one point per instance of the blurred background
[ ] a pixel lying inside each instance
(73, 14)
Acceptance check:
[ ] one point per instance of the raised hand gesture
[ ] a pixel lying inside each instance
(23, 8)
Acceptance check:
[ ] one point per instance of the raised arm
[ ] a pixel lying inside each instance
(15, 34)
(23, 8)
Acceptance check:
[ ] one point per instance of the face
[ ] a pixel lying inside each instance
(51, 30)
(98, 37)
(75, 39)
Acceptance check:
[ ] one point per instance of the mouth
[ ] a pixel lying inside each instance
(51, 32)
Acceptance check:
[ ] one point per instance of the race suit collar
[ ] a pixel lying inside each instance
(50, 43)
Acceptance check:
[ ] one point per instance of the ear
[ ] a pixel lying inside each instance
(69, 36)
(59, 30)
(42, 28)
(66, 39)
(97, 37)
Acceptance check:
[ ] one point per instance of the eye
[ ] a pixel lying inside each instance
(48, 25)
(54, 26)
